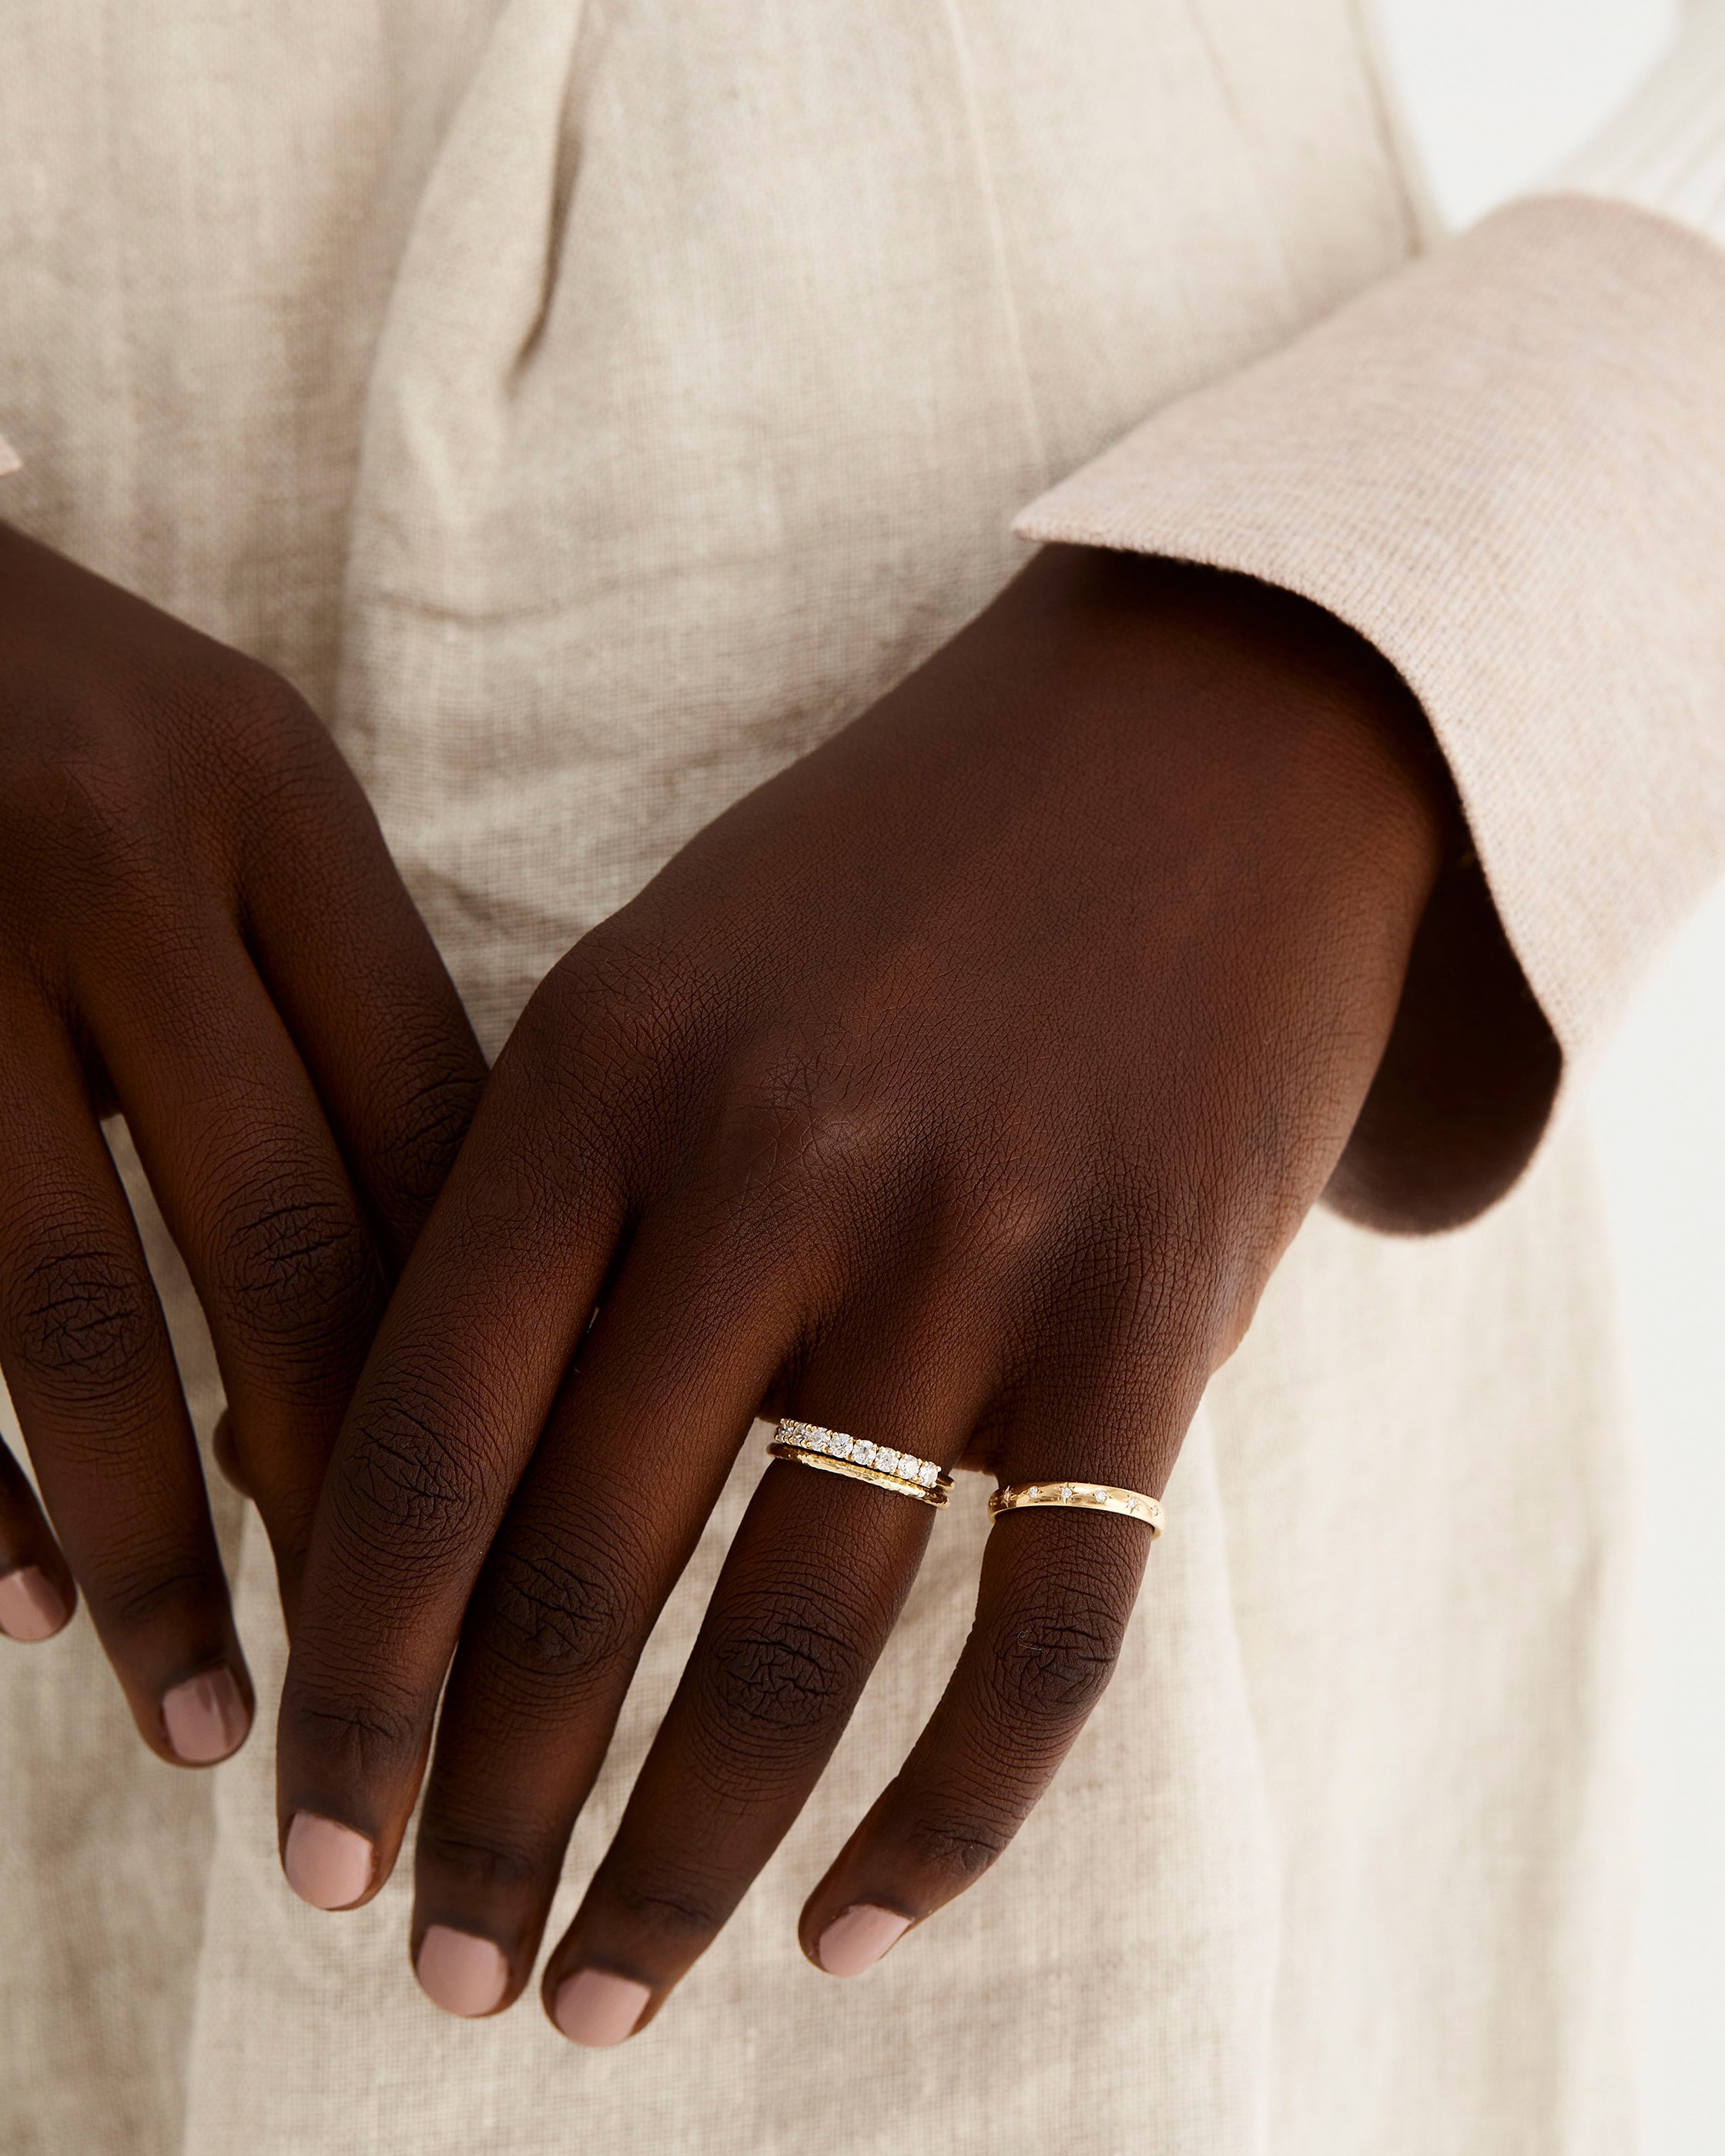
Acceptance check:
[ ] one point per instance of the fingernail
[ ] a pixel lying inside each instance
(205, 1718)
(461, 1972)
(30, 1604)
(327, 1864)
(857, 1939)
(595, 2008)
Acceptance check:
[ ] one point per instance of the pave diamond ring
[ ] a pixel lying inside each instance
(1087, 1496)
(840, 1453)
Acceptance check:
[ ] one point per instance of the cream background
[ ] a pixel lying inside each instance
(1493, 95)
(1447, 1895)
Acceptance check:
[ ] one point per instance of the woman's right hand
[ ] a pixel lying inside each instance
(200, 928)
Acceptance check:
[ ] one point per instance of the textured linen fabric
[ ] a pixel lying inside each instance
(591, 409)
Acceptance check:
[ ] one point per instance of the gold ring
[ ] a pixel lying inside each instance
(838, 1453)
(1087, 1496)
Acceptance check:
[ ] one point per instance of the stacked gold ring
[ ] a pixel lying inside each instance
(1087, 1496)
(836, 1452)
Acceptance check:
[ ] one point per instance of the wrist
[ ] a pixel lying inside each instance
(1287, 711)
(1253, 700)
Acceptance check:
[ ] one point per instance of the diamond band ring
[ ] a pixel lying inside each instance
(1086, 1497)
(840, 1453)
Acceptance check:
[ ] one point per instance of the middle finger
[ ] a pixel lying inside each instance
(805, 1601)
(250, 1180)
(630, 1465)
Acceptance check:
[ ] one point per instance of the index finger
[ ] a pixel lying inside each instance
(353, 970)
(449, 1408)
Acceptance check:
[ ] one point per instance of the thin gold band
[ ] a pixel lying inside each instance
(836, 1452)
(1086, 1497)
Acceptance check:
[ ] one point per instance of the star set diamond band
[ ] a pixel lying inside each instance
(840, 1453)
(1087, 1496)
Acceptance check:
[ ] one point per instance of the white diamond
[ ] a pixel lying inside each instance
(1067, 1493)
(839, 1444)
(819, 1440)
(927, 1474)
(887, 1460)
(862, 1451)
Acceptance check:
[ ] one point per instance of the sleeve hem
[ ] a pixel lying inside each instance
(1504, 467)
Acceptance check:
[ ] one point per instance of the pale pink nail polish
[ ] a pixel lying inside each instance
(205, 1718)
(30, 1604)
(856, 1939)
(327, 1864)
(596, 2007)
(459, 1971)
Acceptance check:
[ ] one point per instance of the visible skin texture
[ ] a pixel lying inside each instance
(959, 1088)
(200, 925)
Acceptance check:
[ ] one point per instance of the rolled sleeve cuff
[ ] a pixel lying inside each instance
(1505, 467)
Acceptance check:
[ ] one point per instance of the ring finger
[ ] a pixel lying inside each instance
(807, 1596)
(1059, 1581)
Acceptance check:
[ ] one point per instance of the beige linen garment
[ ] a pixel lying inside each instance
(591, 408)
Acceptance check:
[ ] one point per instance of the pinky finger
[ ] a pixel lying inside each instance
(36, 1596)
(1057, 1589)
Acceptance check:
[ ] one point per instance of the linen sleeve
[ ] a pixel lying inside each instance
(10, 460)
(1504, 465)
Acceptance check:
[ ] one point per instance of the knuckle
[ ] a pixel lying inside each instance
(1115, 1272)
(132, 1594)
(258, 725)
(801, 1130)
(83, 1316)
(1052, 1661)
(106, 806)
(432, 1109)
(661, 1907)
(362, 1739)
(297, 1267)
(256, 746)
(485, 1863)
(782, 1676)
(89, 838)
(615, 1036)
(558, 1614)
(959, 1843)
(410, 1488)
(633, 992)
(805, 1109)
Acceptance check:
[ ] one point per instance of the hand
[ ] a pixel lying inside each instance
(200, 926)
(959, 1089)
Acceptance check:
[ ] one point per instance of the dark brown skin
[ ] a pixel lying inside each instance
(200, 925)
(960, 1088)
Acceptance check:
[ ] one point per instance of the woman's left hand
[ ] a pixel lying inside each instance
(959, 1089)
